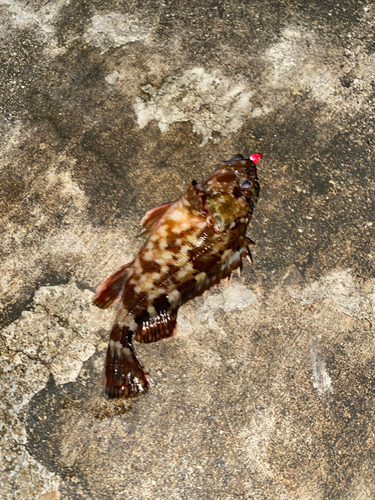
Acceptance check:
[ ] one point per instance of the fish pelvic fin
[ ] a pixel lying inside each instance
(124, 374)
(111, 288)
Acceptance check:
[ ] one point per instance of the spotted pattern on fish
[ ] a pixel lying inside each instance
(191, 245)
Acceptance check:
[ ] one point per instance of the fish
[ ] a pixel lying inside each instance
(192, 244)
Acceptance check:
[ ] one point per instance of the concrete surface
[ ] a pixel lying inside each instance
(111, 108)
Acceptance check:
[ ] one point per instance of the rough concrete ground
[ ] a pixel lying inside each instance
(111, 108)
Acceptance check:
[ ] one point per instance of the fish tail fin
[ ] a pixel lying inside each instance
(124, 374)
(111, 288)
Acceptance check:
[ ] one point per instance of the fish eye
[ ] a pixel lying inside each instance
(246, 184)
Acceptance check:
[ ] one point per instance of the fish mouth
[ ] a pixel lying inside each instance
(255, 157)
(238, 162)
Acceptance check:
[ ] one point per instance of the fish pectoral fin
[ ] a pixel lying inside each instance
(156, 327)
(151, 218)
(111, 288)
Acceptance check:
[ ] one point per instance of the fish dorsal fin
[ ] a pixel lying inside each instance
(151, 218)
(111, 288)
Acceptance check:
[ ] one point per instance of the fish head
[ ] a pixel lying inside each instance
(231, 192)
(246, 176)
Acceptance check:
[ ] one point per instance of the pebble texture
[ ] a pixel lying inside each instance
(110, 109)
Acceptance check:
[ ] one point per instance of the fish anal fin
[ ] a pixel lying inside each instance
(151, 218)
(152, 328)
(111, 288)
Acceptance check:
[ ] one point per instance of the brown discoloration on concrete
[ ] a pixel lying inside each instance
(272, 397)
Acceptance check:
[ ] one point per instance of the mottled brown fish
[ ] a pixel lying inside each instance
(192, 244)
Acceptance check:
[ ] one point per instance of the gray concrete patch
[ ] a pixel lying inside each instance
(208, 101)
(114, 30)
(108, 110)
